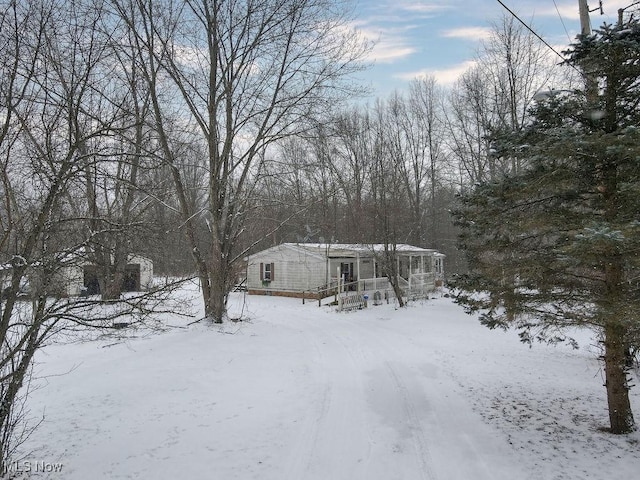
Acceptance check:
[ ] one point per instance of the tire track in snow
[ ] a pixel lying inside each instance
(375, 350)
(334, 433)
(419, 439)
(378, 340)
(301, 453)
(478, 454)
(329, 432)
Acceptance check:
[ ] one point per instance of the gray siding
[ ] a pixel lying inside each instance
(294, 270)
(303, 267)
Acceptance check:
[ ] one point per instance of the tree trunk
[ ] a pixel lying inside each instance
(620, 415)
(216, 300)
(390, 269)
(397, 291)
(112, 284)
(214, 289)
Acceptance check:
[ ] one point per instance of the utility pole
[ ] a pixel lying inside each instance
(591, 87)
(585, 23)
(621, 13)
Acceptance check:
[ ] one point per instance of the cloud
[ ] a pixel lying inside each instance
(385, 12)
(390, 25)
(568, 11)
(390, 47)
(390, 44)
(446, 76)
(467, 33)
(421, 6)
(389, 52)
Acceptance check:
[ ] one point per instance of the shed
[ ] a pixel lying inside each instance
(80, 275)
(75, 274)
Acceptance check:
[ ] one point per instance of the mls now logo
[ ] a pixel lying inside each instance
(27, 466)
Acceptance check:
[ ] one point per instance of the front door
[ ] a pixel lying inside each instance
(346, 272)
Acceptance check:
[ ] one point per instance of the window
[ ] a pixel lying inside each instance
(416, 264)
(438, 265)
(267, 273)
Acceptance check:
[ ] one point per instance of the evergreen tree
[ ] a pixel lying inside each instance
(556, 245)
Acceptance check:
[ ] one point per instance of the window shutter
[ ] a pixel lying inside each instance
(273, 274)
(261, 271)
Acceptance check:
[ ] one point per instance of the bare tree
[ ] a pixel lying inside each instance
(469, 118)
(53, 130)
(516, 66)
(388, 194)
(349, 160)
(247, 75)
(112, 115)
(326, 190)
(418, 151)
(494, 97)
(20, 54)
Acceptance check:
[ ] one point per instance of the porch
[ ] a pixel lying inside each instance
(357, 293)
(364, 272)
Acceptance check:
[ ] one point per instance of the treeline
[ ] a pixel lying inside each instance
(392, 170)
(197, 133)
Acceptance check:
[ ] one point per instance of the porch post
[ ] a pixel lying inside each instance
(328, 270)
(375, 273)
(358, 271)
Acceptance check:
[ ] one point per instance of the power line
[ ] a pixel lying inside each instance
(562, 20)
(532, 31)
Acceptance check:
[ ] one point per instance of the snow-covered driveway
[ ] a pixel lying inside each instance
(301, 392)
(381, 407)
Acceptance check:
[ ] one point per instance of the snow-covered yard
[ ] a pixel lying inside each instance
(300, 392)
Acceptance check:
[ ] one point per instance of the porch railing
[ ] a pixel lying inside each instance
(350, 295)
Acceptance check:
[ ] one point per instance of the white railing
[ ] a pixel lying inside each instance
(373, 284)
(353, 301)
(351, 295)
(420, 285)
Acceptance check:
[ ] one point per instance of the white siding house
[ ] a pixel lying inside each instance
(286, 269)
(306, 269)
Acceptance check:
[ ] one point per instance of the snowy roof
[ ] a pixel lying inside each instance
(352, 249)
(342, 250)
(76, 257)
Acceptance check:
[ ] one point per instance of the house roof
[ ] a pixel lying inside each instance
(325, 250)
(82, 256)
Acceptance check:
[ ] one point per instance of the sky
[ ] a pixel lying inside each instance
(441, 37)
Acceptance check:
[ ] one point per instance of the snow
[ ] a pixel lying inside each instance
(301, 392)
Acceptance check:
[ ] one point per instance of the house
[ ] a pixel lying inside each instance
(75, 275)
(315, 270)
